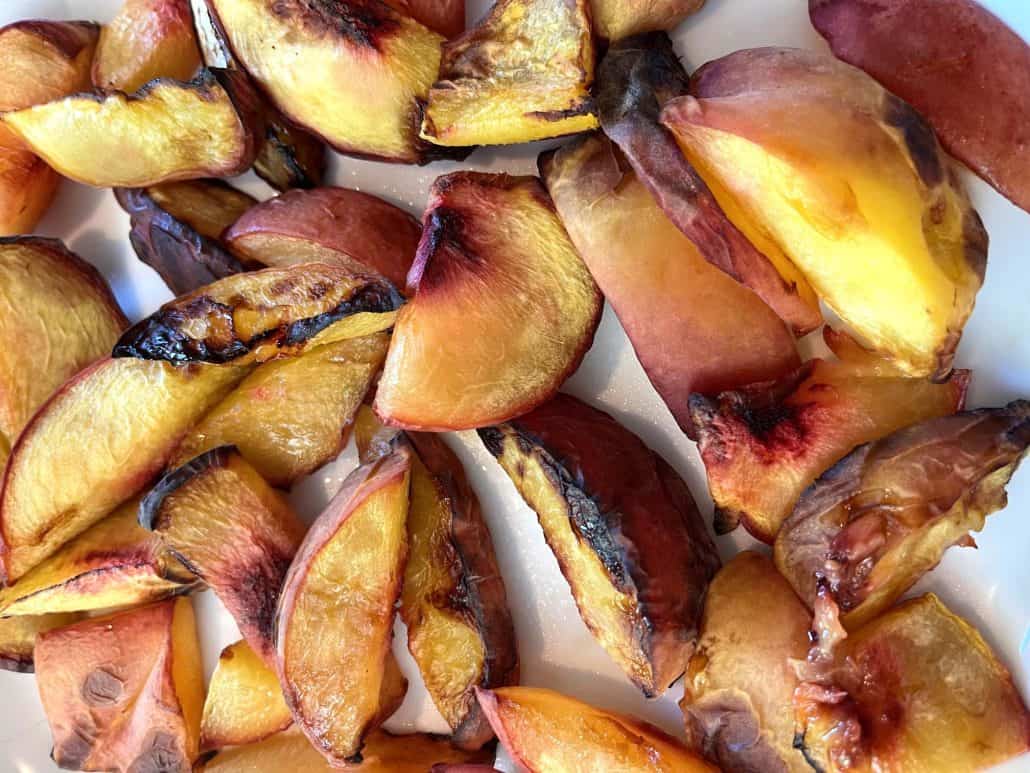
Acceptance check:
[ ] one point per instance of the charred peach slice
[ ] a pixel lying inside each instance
(617, 19)
(289, 157)
(18, 638)
(444, 16)
(58, 313)
(673, 304)
(244, 702)
(740, 684)
(869, 200)
(168, 130)
(221, 519)
(529, 296)
(124, 692)
(335, 618)
(146, 39)
(917, 689)
(634, 80)
(113, 564)
(622, 524)
(262, 315)
(523, 73)
(329, 225)
(96, 442)
(883, 516)
(764, 444)
(547, 732)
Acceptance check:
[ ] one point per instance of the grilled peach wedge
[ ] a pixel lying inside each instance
(477, 291)
(146, 39)
(622, 524)
(328, 225)
(671, 302)
(547, 732)
(523, 73)
(39, 61)
(868, 194)
(168, 130)
(617, 19)
(140, 410)
(124, 692)
(224, 522)
(18, 638)
(883, 516)
(335, 620)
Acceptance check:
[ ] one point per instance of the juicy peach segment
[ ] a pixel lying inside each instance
(764, 444)
(617, 19)
(547, 732)
(18, 638)
(291, 416)
(335, 620)
(626, 532)
(739, 685)
(96, 442)
(221, 519)
(58, 313)
(146, 39)
(168, 130)
(917, 689)
(263, 315)
(523, 73)
(124, 692)
(868, 207)
(329, 225)
(639, 75)
(113, 564)
(883, 516)
(672, 303)
(244, 702)
(529, 298)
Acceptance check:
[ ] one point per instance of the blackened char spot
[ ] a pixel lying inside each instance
(261, 588)
(362, 23)
(586, 107)
(161, 336)
(374, 297)
(763, 420)
(73, 750)
(919, 139)
(161, 754)
(102, 688)
(799, 744)
(493, 439)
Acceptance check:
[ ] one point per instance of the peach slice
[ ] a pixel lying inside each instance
(329, 225)
(530, 298)
(57, 483)
(263, 315)
(523, 73)
(168, 130)
(18, 638)
(146, 39)
(634, 80)
(547, 732)
(113, 564)
(444, 16)
(673, 304)
(617, 19)
(869, 194)
(335, 620)
(622, 524)
(124, 692)
(221, 519)
(883, 516)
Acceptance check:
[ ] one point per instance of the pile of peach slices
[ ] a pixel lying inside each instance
(142, 463)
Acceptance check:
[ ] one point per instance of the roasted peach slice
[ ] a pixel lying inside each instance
(764, 444)
(59, 314)
(444, 16)
(617, 19)
(547, 732)
(225, 523)
(626, 532)
(917, 689)
(523, 73)
(244, 702)
(262, 315)
(530, 298)
(740, 683)
(883, 516)
(168, 130)
(96, 442)
(113, 564)
(146, 39)
(672, 303)
(18, 638)
(329, 225)
(634, 80)
(870, 194)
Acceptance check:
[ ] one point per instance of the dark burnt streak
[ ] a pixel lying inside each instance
(361, 22)
(150, 516)
(919, 139)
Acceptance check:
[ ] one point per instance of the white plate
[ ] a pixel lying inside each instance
(988, 586)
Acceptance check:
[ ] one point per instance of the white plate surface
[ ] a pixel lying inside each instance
(989, 586)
